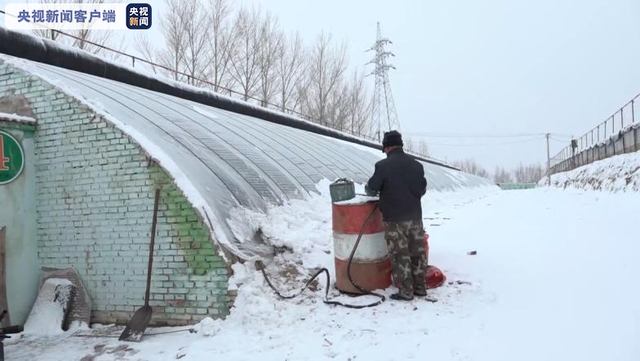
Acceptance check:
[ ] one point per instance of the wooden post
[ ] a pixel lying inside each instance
(3, 278)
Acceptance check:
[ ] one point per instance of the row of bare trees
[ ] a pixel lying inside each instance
(471, 166)
(531, 173)
(417, 146)
(244, 51)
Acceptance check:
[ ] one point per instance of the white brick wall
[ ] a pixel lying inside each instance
(95, 202)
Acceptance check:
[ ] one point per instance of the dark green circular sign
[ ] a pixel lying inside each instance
(11, 158)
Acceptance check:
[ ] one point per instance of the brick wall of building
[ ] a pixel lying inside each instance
(95, 190)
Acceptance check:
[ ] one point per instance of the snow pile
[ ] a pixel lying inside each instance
(208, 327)
(302, 235)
(616, 174)
(301, 230)
(50, 309)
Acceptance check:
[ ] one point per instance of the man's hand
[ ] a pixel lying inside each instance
(370, 192)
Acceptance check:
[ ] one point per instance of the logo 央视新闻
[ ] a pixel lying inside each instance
(138, 16)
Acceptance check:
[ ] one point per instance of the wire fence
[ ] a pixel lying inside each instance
(618, 134)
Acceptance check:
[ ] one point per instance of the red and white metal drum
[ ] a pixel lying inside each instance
(371, 265)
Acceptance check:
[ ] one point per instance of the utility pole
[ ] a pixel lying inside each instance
(548, 159)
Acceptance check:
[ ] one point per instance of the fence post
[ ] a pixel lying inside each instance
(133, 61)
(605, 131)
(586, 142)
(613, 124)
(621, 118)
(633, 111)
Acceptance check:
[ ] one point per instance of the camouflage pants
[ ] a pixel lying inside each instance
(405, 241)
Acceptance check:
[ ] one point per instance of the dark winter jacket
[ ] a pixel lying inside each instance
(400, 181)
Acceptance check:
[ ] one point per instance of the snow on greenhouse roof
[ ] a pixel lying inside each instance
(223, 160)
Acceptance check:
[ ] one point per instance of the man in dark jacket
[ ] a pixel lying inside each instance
(400, 182)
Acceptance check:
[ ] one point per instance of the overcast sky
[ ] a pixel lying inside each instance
(498, 67)
(491, 66)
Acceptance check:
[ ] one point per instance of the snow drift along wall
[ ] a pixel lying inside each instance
(615, 174)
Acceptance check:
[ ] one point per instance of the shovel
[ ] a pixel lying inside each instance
(140, 320)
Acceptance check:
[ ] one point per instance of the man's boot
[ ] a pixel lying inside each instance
(402, 296)
(420, 292)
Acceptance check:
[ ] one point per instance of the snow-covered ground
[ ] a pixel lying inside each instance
(554, 278)
(619, 173)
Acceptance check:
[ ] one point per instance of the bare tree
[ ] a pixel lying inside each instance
(359, 105)
(408, 144)
(326, 70)
(290, 71)
(301, 96)
(423, 148)
(419, 147)
(528, 174)
(221, 43)
(471, 166)
(174, 34)
(146, 49)
(271, 44)
(91, 39)
(194, 20)
(338, 112)
(501, 175)
(47, 33)
(245, 63)
(87, 38)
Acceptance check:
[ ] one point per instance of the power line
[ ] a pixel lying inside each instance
(475, 135)
(485, 144)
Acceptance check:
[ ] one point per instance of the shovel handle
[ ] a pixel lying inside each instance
(152, 246)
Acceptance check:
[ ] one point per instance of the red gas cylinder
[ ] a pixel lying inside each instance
(371, 265)
(435, 277)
